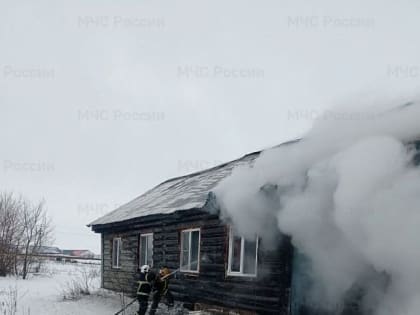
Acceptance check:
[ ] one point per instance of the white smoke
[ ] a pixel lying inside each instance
(348, 194)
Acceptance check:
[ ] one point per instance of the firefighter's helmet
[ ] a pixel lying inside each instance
(145, 269)
(164, 271)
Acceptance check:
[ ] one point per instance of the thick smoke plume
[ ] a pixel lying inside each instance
(348, 195)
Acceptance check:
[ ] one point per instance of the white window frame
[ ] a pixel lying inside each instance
(240, 273)
(117, 252)
(140, 236)
(188, 268)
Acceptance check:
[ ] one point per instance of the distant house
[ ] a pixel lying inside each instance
(83, 253)
(49, 250)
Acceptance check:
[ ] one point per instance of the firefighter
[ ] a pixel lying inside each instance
(145, 284)
(161, 289)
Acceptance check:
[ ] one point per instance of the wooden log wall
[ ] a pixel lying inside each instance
(267, 294)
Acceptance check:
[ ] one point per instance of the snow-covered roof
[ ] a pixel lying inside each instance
(181, 193)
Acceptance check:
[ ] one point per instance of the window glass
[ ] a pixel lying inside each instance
(236, 254)
(143, 250)
(242, 255)
(116, 248)
(250, 251)
(190, 250)
(195, 239)
(150, 250)
(185, 241)
(146, 250)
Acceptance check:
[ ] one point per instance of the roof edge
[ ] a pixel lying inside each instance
(91, 224)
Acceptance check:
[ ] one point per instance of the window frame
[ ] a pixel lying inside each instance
(240, 273)
(140, 249)
(118, 252)
(188, 269)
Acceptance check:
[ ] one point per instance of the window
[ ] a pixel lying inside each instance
(116, 251)
(190, 250)
(243, 257)
(146, 250)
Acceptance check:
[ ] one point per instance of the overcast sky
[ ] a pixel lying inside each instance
(101, 100)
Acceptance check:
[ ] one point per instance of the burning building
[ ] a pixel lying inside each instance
(178, 224)
(307, 227)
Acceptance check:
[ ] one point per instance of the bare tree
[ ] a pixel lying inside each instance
(36, 232)
(24, 229)
(10, 231)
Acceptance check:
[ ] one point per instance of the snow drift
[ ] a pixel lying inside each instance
(348, 195)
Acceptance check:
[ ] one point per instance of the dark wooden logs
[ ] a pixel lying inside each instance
(266, 294)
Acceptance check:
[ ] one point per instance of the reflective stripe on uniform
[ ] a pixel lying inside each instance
(165, 287)
(141, 283)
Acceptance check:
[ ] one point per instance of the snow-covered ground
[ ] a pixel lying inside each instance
(42, 293)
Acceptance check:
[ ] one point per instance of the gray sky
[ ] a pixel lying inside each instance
(101, 101)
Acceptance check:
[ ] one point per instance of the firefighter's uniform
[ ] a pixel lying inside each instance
(145, 283)
(161, 289)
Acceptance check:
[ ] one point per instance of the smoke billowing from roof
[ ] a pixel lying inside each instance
(348, 194)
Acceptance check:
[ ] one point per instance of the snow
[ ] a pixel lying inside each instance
(182, 193)
(41, 294)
